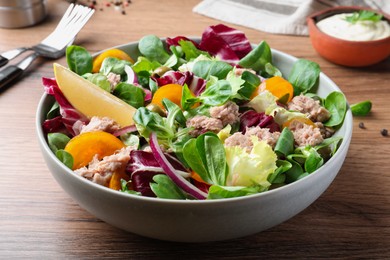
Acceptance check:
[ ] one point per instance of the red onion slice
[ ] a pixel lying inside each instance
(125, 130)
(171, 172)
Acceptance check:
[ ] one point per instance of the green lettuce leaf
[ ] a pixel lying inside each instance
(253, 168)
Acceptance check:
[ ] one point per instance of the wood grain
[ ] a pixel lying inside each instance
(37, 219)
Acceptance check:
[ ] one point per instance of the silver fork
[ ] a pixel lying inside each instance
(52, 47)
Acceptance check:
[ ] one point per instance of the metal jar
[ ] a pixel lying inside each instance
(21, 13)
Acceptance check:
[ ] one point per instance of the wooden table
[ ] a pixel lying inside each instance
(38, 219)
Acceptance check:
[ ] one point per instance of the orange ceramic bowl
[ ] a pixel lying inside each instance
(343, 52)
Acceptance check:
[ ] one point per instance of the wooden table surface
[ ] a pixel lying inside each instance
(38, 219)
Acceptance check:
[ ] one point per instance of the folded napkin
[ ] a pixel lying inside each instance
(276, 16)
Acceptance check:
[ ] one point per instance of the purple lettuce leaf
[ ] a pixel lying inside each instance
(70, 116)
(226, 43)
(175, 41)
(196, 84)
(54, 125)
(251, 118)
(143, 166)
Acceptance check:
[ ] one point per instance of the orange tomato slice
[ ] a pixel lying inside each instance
(115, 181)
(197, 177)
(115, 53)
(169, 91)
(303, 120)
(85, 146)
(278, 86)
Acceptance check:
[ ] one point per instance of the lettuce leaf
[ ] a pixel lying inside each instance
(226, 43)
(253, 168)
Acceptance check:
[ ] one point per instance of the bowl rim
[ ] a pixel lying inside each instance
(348, 122)
(314, 18)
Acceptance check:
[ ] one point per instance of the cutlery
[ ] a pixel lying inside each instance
(52, 47)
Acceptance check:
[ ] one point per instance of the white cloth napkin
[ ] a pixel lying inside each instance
(276, 16)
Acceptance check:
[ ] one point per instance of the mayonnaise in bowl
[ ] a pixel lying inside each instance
(338, 26)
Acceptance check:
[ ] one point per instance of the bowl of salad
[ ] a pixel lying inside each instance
(192, 140)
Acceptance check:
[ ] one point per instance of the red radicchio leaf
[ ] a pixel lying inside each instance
(175, 41)
(251, 118)
(196, 84)
(201, 185)
(125, 130)
(54, 125)
(226, 43)
(143, 166)
(69, 114)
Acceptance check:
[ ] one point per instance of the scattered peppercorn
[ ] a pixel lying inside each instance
(361, 125)
(119, 5)
(384, 132)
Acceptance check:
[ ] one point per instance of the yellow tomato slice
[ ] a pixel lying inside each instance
(169, 91)
(278, 86)
(303, 120)
(85, 146)
(115, 53)
(115, 181)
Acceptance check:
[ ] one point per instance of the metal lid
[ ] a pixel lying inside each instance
(21, 13)
(4, 4)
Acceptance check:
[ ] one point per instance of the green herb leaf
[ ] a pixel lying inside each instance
(79, 59)
(165, 188)
(152, 48)
(252, 81)
(258, 57)
(313, 161)
(114, 65)
(217, 94)
(304, 76)
(336, 104)
(65, 157)
(363, 15)
(190, 51)
(361, 108)
(206, 156)
(54, 111)
(174, 113)
(125, 188)
(148, 121)
(205, 69)
(295, 172)
(99, 80)
(285, 144)
(143, 64)
(131, 94)
(130, 139)
(187, 99)
(283, 166)
(57, 141)
(223, 192)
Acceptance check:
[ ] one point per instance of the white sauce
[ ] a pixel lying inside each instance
(338, 27)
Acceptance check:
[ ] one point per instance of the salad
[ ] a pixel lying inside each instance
(208, 119)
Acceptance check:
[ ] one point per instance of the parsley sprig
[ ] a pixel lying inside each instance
(363, 15)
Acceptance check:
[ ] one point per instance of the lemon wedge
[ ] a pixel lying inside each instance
(90, 99)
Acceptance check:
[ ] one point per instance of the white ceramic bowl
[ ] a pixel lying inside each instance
(198, 221)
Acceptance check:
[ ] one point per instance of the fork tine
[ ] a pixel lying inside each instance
(62, 22)
(73, 20)
(76, 24)
(65, 16)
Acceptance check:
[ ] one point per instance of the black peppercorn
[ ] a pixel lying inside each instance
(361, 125)
(384, 132)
